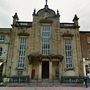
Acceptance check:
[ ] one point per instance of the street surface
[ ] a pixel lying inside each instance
(44, 88)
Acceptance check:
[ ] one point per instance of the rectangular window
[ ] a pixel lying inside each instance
(0, 51)
(2, 38)
(22, 52)
(88, 39)
(46, 40)
(87, 67)
(68, 53)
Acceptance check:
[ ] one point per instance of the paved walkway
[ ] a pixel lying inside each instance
(44, 88)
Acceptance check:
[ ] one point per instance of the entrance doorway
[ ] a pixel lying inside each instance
(45, 69)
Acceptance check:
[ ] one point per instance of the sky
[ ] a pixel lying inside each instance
(24, 9)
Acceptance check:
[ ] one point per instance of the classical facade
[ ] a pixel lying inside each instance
(44, 49)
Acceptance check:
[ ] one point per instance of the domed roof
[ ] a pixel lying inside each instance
(46, 11)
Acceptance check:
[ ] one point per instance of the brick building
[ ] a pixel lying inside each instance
(85, 49)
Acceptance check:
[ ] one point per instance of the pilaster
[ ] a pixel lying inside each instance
(40, 70)
(50, 70)
(30, 71)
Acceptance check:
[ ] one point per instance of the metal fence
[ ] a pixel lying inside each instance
(64, 79)
(19, 79)
(72, 79)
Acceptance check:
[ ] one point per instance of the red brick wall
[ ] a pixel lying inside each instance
(84, 44)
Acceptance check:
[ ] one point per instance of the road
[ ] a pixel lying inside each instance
(44, 88)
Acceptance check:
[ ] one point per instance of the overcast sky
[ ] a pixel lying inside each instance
(24, 8)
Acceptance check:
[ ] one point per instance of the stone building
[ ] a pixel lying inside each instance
(44, 49)
(4, 45)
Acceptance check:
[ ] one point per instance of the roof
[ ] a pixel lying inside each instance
(66, 25)
(84, 31)
(5, 30)
(23, 24)
(29, 24)
(46, 10)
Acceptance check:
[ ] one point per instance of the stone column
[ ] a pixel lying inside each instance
(40, 70)
(50, 70)
(60, 69)
(4, 68)
(30, 67)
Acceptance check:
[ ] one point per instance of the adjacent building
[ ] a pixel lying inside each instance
(85, 49)
(4, 46)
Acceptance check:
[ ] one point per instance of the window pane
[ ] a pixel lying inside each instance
(46, 40)
(68, 52)
(2, 37)
(22, 53)
(0, 51)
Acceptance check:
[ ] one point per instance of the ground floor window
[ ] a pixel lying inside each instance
(87, 70)
(1, 69)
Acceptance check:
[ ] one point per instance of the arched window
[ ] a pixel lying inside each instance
(0, 51)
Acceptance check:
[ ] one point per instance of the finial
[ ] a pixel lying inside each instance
(75, 17)
(34, 12)
(58, 13)
(75, 20)
(46, 2)
(46, 6)
(15, 16)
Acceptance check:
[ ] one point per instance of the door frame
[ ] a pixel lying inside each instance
(43, 72)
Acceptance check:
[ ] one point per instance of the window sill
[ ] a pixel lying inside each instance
(71, 68)
(18, 68)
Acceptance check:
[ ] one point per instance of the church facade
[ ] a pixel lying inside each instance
(44, 48)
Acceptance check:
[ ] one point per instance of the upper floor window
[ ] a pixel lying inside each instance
(68, 53)
(87, 67)
(46, 40)
(0, 51)
(22, 50)
(88, 39)
(2, 38)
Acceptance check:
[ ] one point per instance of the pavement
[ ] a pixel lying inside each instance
(45, 88)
